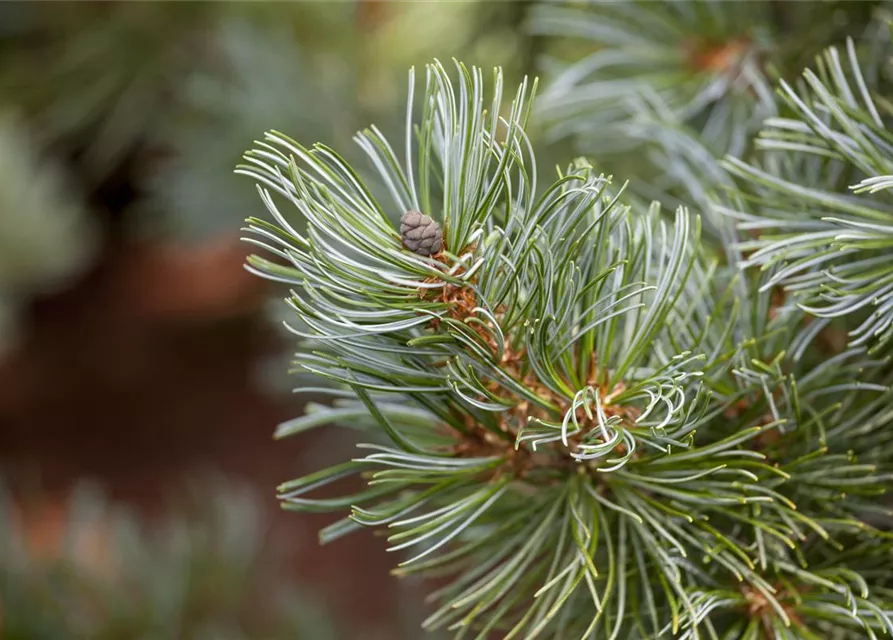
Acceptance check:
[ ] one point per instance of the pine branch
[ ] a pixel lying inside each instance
(657, 91)
(702, 60)
(578, 423)
(827, 245)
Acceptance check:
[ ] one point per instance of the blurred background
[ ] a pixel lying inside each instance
(142, 371)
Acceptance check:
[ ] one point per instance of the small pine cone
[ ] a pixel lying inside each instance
(420, 233)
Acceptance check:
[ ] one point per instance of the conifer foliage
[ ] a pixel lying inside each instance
(587, 418)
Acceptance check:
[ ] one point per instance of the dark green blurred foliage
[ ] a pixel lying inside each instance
(658, 91)
(175, 91)
(91, 569)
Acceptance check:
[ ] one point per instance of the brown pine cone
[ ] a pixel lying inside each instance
(420, 233)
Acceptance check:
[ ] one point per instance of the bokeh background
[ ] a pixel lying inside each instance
(142, 370)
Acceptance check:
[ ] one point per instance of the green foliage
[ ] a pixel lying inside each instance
(221, 105)
(820, 201)
(46, 237)
(658, 91)
(44, 234)
(167, 95)
(94, 78)
(91, 569)
(582, 416)
(700, 60)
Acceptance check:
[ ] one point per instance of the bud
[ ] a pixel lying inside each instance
(420, 233)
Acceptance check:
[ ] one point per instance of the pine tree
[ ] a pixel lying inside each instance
(586, 417)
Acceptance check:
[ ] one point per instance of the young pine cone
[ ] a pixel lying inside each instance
(420, 233)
